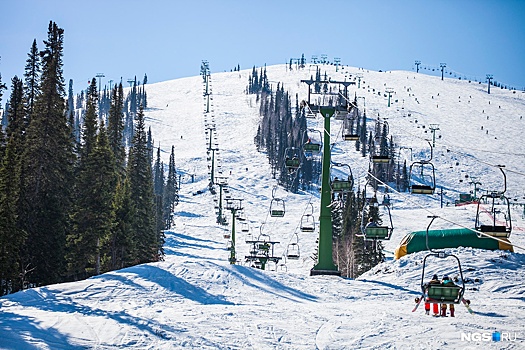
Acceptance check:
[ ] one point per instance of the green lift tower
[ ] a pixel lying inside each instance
(325, 263)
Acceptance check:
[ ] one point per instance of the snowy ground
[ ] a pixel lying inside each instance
(196, 299)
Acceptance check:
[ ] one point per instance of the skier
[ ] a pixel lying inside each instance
(447, 282)
(434, 280)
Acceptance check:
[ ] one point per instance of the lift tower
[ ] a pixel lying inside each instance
(325, 263)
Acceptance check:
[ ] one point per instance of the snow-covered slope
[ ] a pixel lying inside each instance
(196, 299)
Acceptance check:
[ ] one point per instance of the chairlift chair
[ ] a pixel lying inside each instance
(429, 181)
(277, 208)
(307, 223)
(312, 110)
(376, 156)
(341, 185)
(341, 111)
(245, 227)
(349, 132)
(501, 222)
(240, 216)
(292, 159)
(374, 231)
(437, 293)
(312, 145)
(292, 252)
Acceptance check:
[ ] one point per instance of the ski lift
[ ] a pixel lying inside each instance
(310, 110)
(340, 112)
(438, 293)
(240, 216)
(341, 185)
(373, 230)
(341, 107)
(312, 144)
(245, 227)
(282, 267)
(292, 159)
(277, 208)
(378, 153)
(308, 221)
(501, 223)
(292, 252)
(428, 184)
(349, 133)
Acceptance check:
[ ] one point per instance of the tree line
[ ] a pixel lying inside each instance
(75, 202)
(282, 133)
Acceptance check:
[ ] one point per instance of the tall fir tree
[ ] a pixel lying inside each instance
(142, 196)
(171, 191)
(122, 244)
(89, 127)
(159, 188)
(92, 210)
(46, 171)
(116, 127)
(11, 236)
(32, 79)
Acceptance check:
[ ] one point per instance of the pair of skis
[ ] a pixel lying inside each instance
(463, 300)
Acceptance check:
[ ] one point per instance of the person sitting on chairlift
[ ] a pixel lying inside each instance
(447, 282)
(371, 223)
(435, 307)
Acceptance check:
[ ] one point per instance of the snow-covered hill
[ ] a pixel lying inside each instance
(196, 299)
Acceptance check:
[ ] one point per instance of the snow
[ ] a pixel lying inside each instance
(196, 299)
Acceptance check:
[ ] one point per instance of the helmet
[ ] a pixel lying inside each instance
(435, 277)
(446, 277)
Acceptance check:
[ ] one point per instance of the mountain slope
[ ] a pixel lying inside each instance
(196, 299)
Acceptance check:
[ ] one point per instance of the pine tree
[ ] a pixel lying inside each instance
(11, 236)
(92, 210)
(46, 171)
(104, 180)
(122, 244)
(362, 136)
(158, 185)
(171, 196)
(142, 196)
(32, 79)
(116, 127)
(405, 183)
(149, 143)
(89, 128)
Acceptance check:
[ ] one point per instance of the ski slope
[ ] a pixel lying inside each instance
(196, 299)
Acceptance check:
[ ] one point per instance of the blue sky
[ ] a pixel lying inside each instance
(169, 39)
